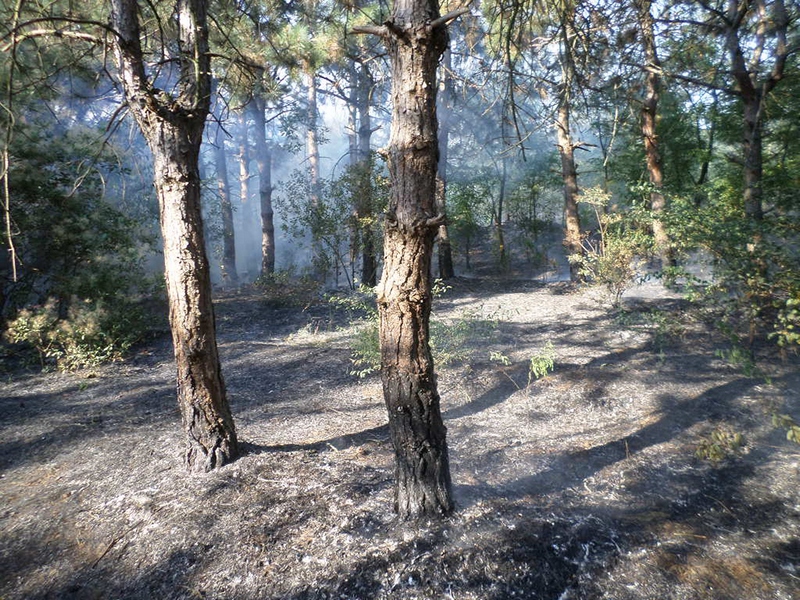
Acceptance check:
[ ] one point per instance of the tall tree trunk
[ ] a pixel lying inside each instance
(369, 262)
(173, 130)
(247, 213)
(446, 270)
(229, 276)
(753, 155)
(658, 202)
(502, 255)
(566, 147)
(264, 162)
(569, 175)
(754, 82)
(415, 37)
(312, 155)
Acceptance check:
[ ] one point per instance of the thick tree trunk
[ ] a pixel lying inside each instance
(201, 389)
(404, 295)
(658, 202)
(173, 130)
(228, 267)
(264, 162)
(446, 269)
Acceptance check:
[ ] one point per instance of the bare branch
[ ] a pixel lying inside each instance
(379, 30)
(445, 19)
(56, 33)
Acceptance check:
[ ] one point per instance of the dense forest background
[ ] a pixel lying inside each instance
(659, 131)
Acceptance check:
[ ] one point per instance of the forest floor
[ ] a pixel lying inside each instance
(582, 484)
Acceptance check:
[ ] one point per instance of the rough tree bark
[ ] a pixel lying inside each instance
(173, 127)
(415, 37)
(658, 202)
(264, 162)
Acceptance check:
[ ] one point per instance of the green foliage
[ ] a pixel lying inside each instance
(542, 363)
(339, 217)
(741, 358)
(467, 213)
(790, 425)
(90, 334)
(76, 298)
(722, 443)
(610, 260)
(499, 358)
(756, 285)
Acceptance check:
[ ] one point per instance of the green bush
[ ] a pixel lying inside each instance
(91, 333)
(610, 260)
(756, 264)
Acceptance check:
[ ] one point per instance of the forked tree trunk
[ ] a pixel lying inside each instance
(173, 131)
(415, 40)
(264, 162)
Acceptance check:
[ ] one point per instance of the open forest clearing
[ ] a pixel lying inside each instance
(583, 483)
(224, 228)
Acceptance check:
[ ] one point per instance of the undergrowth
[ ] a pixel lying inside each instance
(451, 339)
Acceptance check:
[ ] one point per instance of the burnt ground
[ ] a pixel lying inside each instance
(583, 484)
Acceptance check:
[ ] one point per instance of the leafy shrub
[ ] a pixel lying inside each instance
(756, 284)
(340, 216)
(609, 260)
(542, 363)
(721, 444)
(91, 333)
(75, 301)
(786, 422)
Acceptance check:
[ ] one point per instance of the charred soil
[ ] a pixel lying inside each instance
(581, 484)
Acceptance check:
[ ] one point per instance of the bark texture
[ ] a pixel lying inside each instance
(569, 175)
(173, 127)
(404, 295)
(658, 202)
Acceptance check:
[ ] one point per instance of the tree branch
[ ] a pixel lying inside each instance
(445, 19)
(379, 30)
